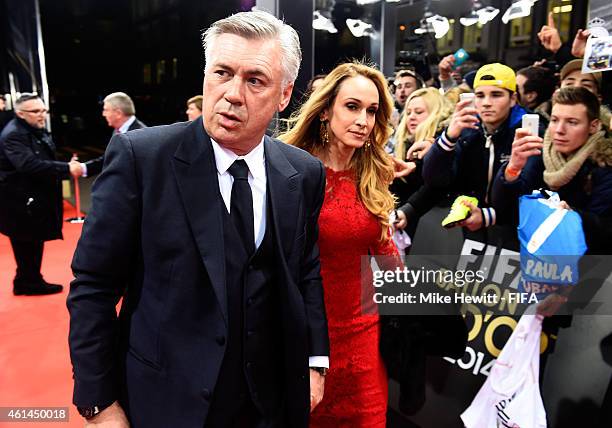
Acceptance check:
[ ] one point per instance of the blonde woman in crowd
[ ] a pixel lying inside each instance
(424, 118)
(345, 124)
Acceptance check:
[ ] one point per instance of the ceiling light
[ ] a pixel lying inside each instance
(320, 22)
(518, 9)
(358, 27)
(440, 25)
(470, 19)
(487, 14)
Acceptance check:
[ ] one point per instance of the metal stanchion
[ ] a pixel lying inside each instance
(77, 200)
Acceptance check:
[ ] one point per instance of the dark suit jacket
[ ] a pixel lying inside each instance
(94, 166)
(30, 183)
(154, 235)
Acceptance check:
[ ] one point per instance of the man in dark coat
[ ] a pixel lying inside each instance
(30, 192)
(208, 229)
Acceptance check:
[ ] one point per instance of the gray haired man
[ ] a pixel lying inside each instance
(208, 229)
(120, 114)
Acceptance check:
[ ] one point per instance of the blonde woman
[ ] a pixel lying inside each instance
(345, 124)
(423, 119)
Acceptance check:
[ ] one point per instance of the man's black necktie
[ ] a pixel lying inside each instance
(241, 206)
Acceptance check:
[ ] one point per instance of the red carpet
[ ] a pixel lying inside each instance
(35, 365)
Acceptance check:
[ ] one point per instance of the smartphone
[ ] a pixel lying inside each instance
(461, 56)
(532, 123)
(468, 96)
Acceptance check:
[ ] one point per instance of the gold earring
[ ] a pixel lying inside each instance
(324, 134)
(368, 144)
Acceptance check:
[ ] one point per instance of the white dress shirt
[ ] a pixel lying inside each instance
(126, 125)
(256, 162)
(224, 158)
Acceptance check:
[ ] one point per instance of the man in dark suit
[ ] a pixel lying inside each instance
(208, 229)
(120, 114)
(31, 192)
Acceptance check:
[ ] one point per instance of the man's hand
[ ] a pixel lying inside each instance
(474, 221)
(549, 35)
(564, 205)
(524, 146)
(550, 305)
(317, 388)
(75, 168)
(401, 221)
(579, 44)
(445, 67)
(464, 117)
(111, 417)
(419, 149)
(402, 168)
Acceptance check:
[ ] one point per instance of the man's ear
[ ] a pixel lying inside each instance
(285, 97)
(531, 96)
(594, 126)
(513, 99)
(20, 114)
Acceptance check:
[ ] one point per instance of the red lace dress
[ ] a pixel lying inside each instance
(356, 384)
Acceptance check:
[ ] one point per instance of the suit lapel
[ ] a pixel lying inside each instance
(284, 197)
(196, 175)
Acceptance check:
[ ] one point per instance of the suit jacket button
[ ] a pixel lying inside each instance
(206, 394)
(220, 340)
(249, 301)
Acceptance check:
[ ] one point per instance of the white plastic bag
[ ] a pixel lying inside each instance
(510, 397)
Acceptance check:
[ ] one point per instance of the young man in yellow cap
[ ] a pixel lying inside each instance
(469, 153)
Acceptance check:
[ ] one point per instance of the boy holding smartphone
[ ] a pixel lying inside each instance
(469, 153)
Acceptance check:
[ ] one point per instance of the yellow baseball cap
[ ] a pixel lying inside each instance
(496, 74)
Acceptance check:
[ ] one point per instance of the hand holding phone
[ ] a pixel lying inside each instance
(468, 96)
(531, 122)
(464, 116)
(461, 56)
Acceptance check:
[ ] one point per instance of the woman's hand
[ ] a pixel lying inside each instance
(419, 149)
(402, 168)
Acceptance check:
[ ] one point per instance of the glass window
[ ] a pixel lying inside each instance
(562, 10)
(471, 37)
(160, 71)
(445, 44)
(520, 31)
(146, 74)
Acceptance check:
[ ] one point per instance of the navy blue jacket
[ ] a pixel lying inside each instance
(154, 235)
(589, 193)
(468, 166)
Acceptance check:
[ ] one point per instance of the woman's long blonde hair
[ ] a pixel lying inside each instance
(439, 109)
(372, 166)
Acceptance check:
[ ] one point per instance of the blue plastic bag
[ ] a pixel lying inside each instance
(552, 242)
